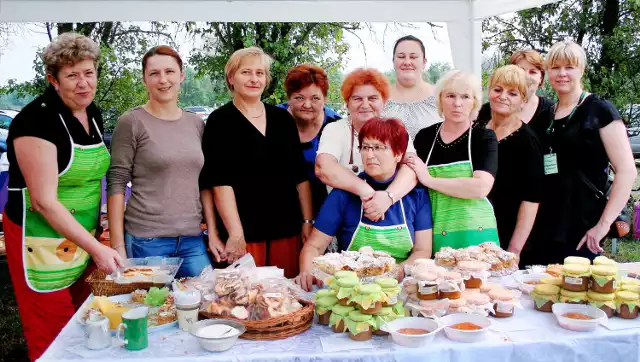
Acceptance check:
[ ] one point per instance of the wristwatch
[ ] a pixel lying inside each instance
(391, 196)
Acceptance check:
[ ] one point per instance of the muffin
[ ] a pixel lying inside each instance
(503, 302)
(391, 289)
(575, 277)
(323, 308)
(346, 289)
(472, 272)
(603, 260)
(604, 278)
(606, 302)
(557, 281)
(450, 287)
(359, 325)
(338, 314)
(427, 286)
(544, 296)
(627, 304)
(576, 260)
(567, 296)
(369, 298)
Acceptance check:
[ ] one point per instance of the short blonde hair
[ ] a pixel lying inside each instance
(233, 64)
(459, 81)
(510, 76)
(566, 52)
(69, 49)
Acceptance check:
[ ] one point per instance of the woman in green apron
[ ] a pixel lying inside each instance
(462, 164)
(57, 162)
(405, 229)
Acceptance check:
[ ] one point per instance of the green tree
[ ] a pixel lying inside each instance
(607, 30)
(288, 44)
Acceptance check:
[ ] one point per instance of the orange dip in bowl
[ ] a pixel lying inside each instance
(412, 331)
(466, 326)
(576, 315)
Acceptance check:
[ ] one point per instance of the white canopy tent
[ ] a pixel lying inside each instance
(463, 17)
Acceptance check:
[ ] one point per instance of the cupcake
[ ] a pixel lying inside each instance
(338, 314)
(576, 260)
(575, 277)
(346, 289)
(369, 298)
(359, 325)
(603, 260)
(627, 304)
(503, 302)
(567, 296)
(323, 308)
(427, 286)
(557, 281)
(391, 289)
(606, 302)
(473, 273)
(603, 278)
(450, 287)
(544, 296)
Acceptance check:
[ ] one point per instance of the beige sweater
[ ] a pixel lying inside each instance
(162, 159)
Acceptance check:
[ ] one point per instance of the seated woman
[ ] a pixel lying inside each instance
(517, 191)
(405, 230)
(462, 164)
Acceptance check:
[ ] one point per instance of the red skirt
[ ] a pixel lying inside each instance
(43, 315)
(283, 253)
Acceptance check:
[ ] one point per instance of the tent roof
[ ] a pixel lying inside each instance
(257, 10)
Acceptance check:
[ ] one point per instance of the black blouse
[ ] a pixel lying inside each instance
(484, 148)
(538, 123)
(42, 119)
(520, 178)
(263, 170)
(569, 207)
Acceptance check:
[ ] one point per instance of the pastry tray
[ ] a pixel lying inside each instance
(153, 269)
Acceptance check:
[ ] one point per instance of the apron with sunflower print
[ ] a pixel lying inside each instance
(459, 223)
(52, 262)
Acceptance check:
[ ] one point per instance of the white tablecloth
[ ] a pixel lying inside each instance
(528, 336)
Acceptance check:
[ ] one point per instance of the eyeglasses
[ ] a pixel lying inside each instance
(374, 148)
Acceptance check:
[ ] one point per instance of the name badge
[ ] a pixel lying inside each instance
(550, 164)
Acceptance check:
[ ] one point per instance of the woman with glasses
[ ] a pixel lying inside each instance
(404, 231)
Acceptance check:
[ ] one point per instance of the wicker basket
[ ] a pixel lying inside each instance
(102, 287)
(282, 327)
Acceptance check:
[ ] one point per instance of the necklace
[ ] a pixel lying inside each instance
(449, 145)
(250, 116)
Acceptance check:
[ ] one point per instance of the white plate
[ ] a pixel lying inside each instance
(579, 325)
(122, 298)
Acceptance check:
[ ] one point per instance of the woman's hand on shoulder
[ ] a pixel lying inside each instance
(419, 167)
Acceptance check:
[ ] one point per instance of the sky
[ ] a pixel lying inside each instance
(378, 39)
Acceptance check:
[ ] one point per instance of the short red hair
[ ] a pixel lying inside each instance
(304, 75)
(161, 50)
(386, 130)
(364, 76)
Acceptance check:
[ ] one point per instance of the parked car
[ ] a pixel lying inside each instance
(201, 111)
(6, 116)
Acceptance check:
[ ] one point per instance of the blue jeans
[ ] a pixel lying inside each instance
(191, 248)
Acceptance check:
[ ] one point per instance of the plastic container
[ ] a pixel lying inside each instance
(412, 340)
(152, 269)
(579, 325)
(462, 335)
(217, 344)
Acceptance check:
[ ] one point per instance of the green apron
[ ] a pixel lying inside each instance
(52, 262)
(459, 223)
(394, 239)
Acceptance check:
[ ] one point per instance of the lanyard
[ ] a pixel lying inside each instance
(550, 129)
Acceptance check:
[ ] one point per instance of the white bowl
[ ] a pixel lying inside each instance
(579, 325)
(462, 335)
(217, 344)
(411, 340)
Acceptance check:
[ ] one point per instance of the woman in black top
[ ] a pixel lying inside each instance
(585, 138)
(255, 165)
(517, 190)
(537, 111)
